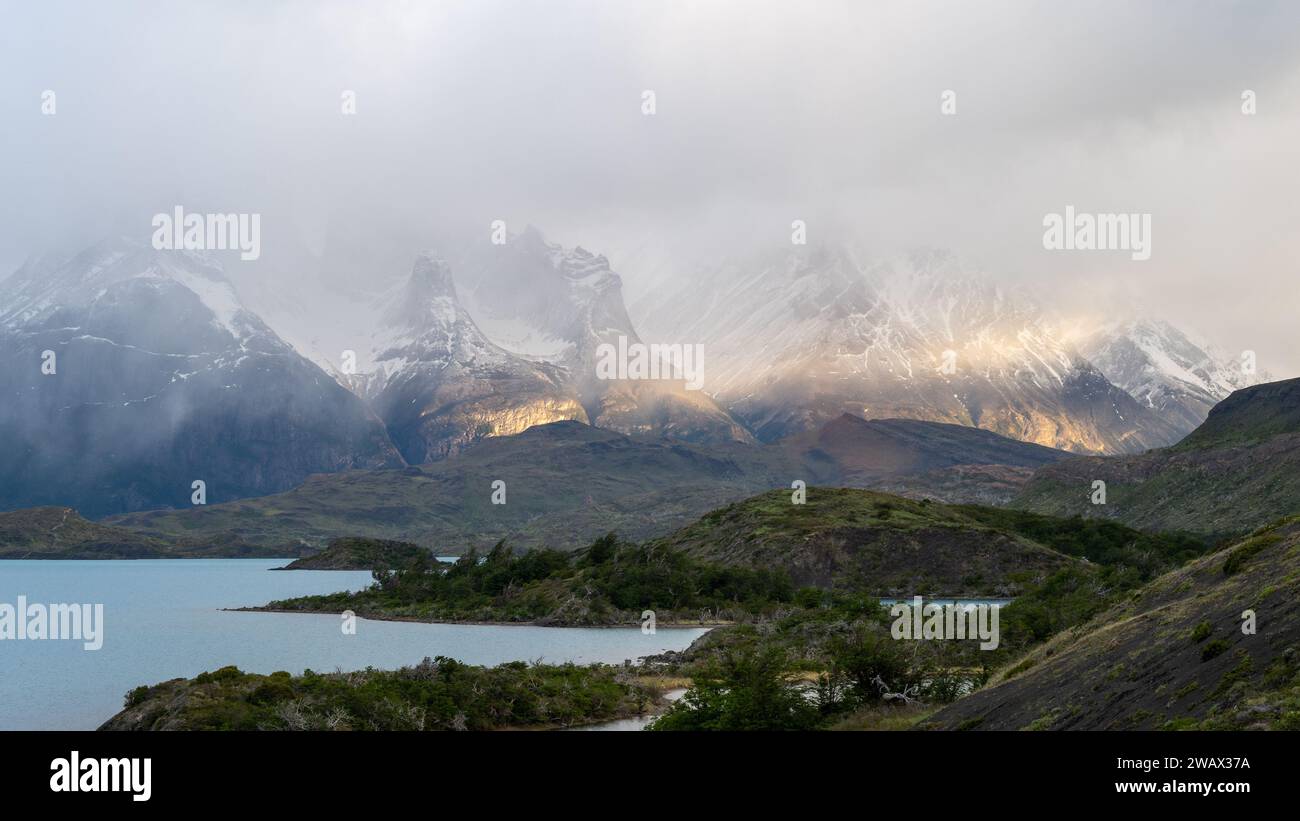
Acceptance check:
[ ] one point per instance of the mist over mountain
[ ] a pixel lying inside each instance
(440, 384)
(165, 376)
(1161, 366)
(528, 316)
(564, 305)
(128, 374)
(801, 336)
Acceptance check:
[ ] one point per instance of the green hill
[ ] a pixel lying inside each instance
(1249, 416)
(845, 538)
(59, 533)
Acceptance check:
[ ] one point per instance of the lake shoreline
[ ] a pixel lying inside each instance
(672, 625)
(169, 619)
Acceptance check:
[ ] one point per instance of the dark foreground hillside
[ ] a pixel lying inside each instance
(1171, 656)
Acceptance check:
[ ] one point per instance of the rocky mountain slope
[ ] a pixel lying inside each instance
(540, 299)
(157, 376)
(1161, 367)
(439, 384)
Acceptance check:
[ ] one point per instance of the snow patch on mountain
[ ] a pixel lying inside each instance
(795, 337)
(1165, 367)
(162, 376)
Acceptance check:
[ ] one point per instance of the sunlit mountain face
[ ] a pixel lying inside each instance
(799, 337)
(564, 305)
(440, 384)
(160, 362)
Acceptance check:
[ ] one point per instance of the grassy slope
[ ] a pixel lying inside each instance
(874, 542)
(1119, 560)
(1238, 471)
(1171, 655)
(1249, 416)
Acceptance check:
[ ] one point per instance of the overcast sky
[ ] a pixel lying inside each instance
(766, 112)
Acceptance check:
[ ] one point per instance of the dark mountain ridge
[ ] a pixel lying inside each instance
(565, 484)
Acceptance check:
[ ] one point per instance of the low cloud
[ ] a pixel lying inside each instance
(765, 112)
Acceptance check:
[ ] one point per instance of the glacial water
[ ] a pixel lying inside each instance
(163, 619)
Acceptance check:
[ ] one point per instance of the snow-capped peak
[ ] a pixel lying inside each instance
(1166, 368)
(37, 293)
(1146, 355)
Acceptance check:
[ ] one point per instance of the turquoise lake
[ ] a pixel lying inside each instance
(163, 619)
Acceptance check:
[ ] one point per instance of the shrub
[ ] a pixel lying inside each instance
(137, 696)
(1245, 551)
(228, 673)
(743, 691)
(271, 691)
(1213, 649)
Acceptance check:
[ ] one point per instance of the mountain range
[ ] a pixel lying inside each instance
(801, 336)
(566, 304)
(1163, 368)
(440, 383)
(163, 376)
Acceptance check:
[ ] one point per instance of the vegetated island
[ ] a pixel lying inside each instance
(354, 553)
(607, 583)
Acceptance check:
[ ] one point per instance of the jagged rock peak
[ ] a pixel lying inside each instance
(431, 276)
